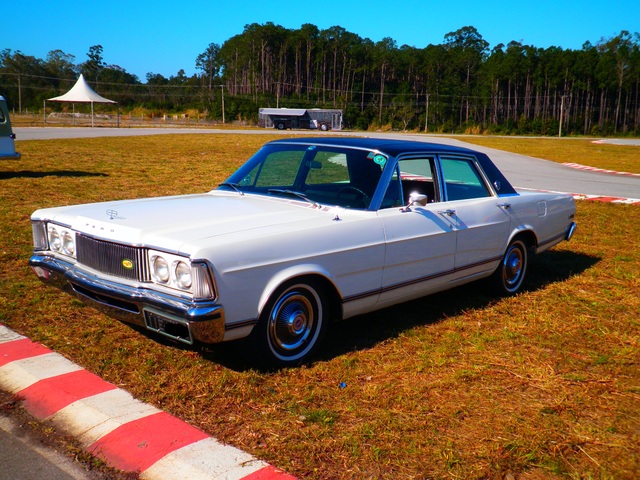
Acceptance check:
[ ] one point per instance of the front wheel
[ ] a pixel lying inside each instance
(292, 324)
(510, 274)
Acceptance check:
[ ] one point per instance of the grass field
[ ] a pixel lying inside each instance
(457, 385)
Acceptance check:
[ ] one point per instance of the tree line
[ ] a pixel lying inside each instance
(457, 86)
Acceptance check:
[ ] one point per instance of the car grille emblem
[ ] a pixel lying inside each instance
(126, 263)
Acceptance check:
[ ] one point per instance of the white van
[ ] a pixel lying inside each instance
(7, 137)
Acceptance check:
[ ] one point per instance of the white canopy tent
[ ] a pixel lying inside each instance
(81, 92)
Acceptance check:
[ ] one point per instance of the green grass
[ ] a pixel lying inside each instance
(457, 385)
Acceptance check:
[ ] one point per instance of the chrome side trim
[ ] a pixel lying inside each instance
(415, 281)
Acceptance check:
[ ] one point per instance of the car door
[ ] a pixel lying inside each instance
(420, 242)
(481, 220)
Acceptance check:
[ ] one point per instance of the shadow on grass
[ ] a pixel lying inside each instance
(58, 173)
(366, 331)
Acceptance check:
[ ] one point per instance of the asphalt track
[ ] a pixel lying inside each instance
(522, 171)
(132, 436)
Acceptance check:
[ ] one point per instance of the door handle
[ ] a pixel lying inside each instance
(450, 212)
(506, 206)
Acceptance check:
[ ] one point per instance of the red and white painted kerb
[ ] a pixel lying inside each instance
(593, 198)
(600, 170)
(600, 198)
(125, 433)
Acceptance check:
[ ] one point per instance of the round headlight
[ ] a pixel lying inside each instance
(183, 275)
(160, 269)
(54, 239)
(68, 245)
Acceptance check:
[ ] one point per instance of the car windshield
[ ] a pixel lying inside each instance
(346, 177)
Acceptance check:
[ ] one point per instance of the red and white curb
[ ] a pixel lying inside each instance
(593, 198)
(108, 422)
(600, 170)
(600, 198)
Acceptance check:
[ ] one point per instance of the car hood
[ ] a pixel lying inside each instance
(181, 223)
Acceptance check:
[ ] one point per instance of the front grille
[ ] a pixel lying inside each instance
(113, 259)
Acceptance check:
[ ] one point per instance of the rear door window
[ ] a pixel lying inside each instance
(462, 180)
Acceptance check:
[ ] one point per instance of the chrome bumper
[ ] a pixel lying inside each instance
(179, 318)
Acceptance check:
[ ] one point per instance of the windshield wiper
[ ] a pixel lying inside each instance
(295, 194)
(232, 185)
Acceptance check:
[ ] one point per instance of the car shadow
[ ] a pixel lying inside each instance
(55, 173)
(366, 331)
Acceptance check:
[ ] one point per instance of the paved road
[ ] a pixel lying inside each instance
(522, 171)
(22, 457)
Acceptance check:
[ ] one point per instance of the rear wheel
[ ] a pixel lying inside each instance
(510, 274)
(292, 324)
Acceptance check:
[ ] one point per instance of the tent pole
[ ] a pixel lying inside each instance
(44, 117)
(91, 114)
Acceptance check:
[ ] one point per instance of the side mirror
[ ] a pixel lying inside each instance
(416, 198)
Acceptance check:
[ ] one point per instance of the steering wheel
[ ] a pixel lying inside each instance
(363, 198)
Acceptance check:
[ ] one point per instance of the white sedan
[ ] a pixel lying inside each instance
(306, 232)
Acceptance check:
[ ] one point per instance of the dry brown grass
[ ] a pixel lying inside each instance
(457, 385)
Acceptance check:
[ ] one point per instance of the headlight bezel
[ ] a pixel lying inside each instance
(183, 274)
(55, 238)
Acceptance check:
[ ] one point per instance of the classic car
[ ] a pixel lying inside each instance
(306, 232)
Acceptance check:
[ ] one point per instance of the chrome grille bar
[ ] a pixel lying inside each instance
(112, 258)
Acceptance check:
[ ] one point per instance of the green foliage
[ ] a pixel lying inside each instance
(458, 86)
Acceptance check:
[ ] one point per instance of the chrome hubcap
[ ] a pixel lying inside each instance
(292, 321)
(513, 264)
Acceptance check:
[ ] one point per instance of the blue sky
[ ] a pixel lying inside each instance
(164, 37)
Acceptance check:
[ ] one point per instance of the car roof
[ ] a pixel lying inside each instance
(395, 147)
(392, 147)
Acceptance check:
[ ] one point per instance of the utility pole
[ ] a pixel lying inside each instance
(19, 94)
(426, 116)
(561, 114)
(222, 87)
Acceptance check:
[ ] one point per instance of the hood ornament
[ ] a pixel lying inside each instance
(113, 215)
